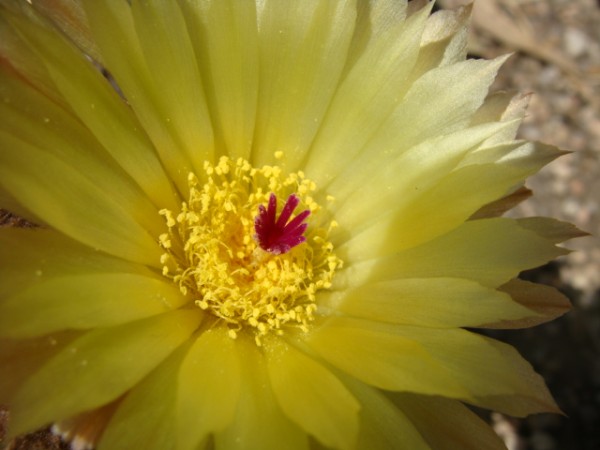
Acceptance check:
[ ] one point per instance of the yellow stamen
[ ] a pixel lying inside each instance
(211, 254)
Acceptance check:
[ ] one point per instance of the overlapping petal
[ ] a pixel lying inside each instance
(383, 425)
(447, 424)
(19, 359)
(208, 388)
(149, 409)
(82, 375)
(499, 248)
(32, 256)
(259, 421)
(225, 40)
(428, 302)
(452, 363)
(85, 302)
(169, 55)
(302, 52)
(99, 106)
(312, 396)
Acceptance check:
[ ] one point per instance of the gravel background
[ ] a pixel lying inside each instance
(556, 46)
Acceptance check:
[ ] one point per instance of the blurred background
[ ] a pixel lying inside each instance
(556, 58)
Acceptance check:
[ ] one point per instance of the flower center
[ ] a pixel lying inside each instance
(238, 259)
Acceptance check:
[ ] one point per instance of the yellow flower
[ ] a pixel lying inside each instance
(263, 225)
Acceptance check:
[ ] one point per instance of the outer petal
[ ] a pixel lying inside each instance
(382, 359)
(534, 396)
(10, 204)
(37, 179)
(69, 17)
(18, 58)
(421, 166)
(428, 302)
(503, 107)
(59, 133)
(97, 368)
(447, 424)
(489, 251)
(383, 425)
(259, 422)
(432, 111)
(303, 48)
(31, 256)
(85, 301)
(19, 359)
(122, 54)
(551, 229)
(312, 396)
(376, 22)
(437, 209)
(208, 388)
(545, 300)
(99, 107)
(444, 41)
(145, 418)
(452, 363)
(500, 207)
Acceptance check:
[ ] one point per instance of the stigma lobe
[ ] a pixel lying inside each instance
(277, 235)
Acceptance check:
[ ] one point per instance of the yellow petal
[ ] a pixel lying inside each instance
(489, 251)
(145, 419)
(312, 396)
(525, 155)
(169, 56)
(383, 426)
(11, 204)
(19, 359)
(123, 56)
(31, 256)
(24, 64)
(421, 166)
(428, 302)
(97, 368)
(374, 22)
(303, 48)
(504, 107)
(69, 17)
(453, 363)
(394, 50)
(545, 300)
(432, 111)
(447, 424)
(259, 423)
(225, 39)
(208, 388)
(437, 210)
(499, 207)
(531, 398)
(446, 110)
(551, 229)
(99, 107)
(444, 41)
(62, 196)
(61, 134)
(382, 358)
(85, 301)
